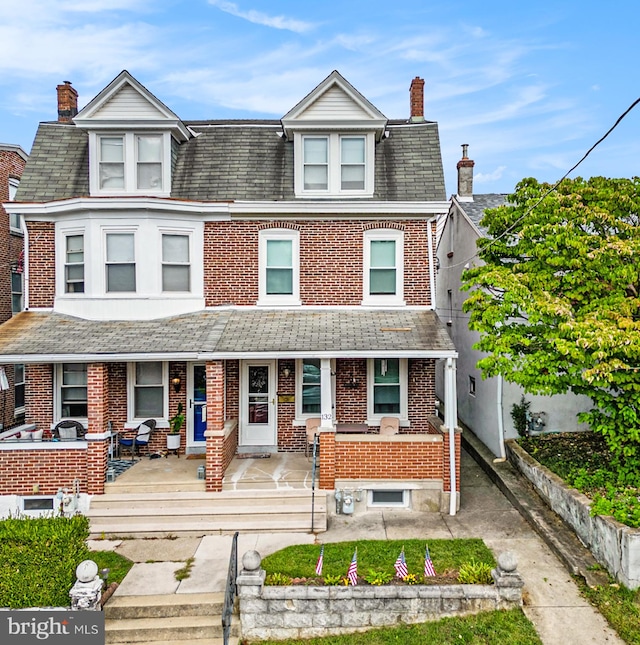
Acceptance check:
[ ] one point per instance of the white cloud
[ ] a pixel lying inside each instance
(486, 177)
(259, 18)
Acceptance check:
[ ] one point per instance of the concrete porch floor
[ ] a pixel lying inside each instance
(276, 472)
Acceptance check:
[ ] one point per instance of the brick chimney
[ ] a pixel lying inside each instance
(67, 102)
(465, 175)
(416, 95)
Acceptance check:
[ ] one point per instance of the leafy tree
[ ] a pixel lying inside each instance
(557, 300)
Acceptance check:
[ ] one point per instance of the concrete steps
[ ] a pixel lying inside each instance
(187, 619)
(198, 513)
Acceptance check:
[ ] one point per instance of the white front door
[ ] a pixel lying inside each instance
(258, 404)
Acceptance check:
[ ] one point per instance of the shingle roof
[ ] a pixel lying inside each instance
(225, 333)
(237, 160)
(475, 209)
(58, 166)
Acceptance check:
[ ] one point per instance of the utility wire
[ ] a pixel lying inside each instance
(554, 187)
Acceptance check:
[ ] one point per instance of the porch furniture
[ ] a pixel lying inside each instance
(312, 427)
(389, 425)
(143, 435)
(351, 428)
(69, 430)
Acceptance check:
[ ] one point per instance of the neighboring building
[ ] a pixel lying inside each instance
(261, 273)
(484, 405)
(12, 162)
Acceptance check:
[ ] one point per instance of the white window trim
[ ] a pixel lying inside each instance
(405, 498)
(19, 410)
(130, 164)
(334, 188)
(13, 187)
(278, 299)
(106, 231)
(300, 416)
(57, 396)
(65, 264)
(131, 379)
(373, 418)
(189, 235)
(396, 299)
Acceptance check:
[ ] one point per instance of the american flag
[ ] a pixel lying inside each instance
(401, 566)
(320, 561)
(428, 565)
(352, 574)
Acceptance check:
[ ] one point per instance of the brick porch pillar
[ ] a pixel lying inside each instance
(214, 434)
(97, 437)
(327, 478)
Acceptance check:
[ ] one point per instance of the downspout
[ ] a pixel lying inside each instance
(503, 455)
(450, 413)
(25, 263)
(432, 273)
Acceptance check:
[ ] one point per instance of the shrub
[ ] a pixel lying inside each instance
(38, 559)
(278, 580)
(378, 577)
(475, 573)
(519, 415)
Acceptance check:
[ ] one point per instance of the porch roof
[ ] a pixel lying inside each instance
(48, 337)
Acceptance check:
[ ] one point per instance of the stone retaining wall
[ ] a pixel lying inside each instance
(614, 545)
(299, 612)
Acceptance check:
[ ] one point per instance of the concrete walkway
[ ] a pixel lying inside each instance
(552, 600)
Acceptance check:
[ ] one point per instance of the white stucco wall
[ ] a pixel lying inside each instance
(481, 412)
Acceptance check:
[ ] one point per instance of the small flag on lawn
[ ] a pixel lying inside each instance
(401, 566)
(320, 561)
(352, 574)
(428, 565)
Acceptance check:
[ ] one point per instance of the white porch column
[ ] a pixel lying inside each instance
(451, 421)
(326, 404)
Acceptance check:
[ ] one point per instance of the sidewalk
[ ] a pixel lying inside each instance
(552, 600)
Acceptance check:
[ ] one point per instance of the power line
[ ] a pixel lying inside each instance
(555, 186)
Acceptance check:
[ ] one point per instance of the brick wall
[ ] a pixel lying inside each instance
(39, 396)
(21, 470)
(41, 264)
(331, 261)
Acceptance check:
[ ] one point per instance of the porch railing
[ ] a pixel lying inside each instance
(230, 590)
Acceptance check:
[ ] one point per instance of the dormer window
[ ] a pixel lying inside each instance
(334, 164)
(130, 163)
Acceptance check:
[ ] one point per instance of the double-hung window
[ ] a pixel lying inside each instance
(334, 164)
(176, 268)
(120, 264)
(310, 386)
(74, 264)
(148, 382)
(279, 267)
(387, 388)
(16, 292)
(72, 380)
(130, 163)
(18, 389)
(383, 267)
(14, 218)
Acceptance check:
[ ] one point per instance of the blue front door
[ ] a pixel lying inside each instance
(199, 403)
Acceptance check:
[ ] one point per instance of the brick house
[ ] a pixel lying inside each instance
(260, 273)
(12, 161)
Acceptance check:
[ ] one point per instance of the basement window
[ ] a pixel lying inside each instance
(398, 498)
(37, 504)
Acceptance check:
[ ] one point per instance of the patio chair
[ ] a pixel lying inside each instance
(389, 425)
(69, 430)
(141, 439)
(312, 428)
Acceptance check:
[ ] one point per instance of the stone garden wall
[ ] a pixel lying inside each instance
(298, 612)
(614, 545)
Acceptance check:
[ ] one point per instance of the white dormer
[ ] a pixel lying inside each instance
(130, 133)
(334, 131)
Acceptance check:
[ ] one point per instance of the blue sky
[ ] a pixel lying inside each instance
(529, 86)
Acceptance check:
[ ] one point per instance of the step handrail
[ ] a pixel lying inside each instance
(313, 480)
(230, 590)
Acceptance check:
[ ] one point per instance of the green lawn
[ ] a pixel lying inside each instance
(489, 628)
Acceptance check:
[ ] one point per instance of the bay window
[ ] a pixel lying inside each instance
(176, 267)
(120, 265)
